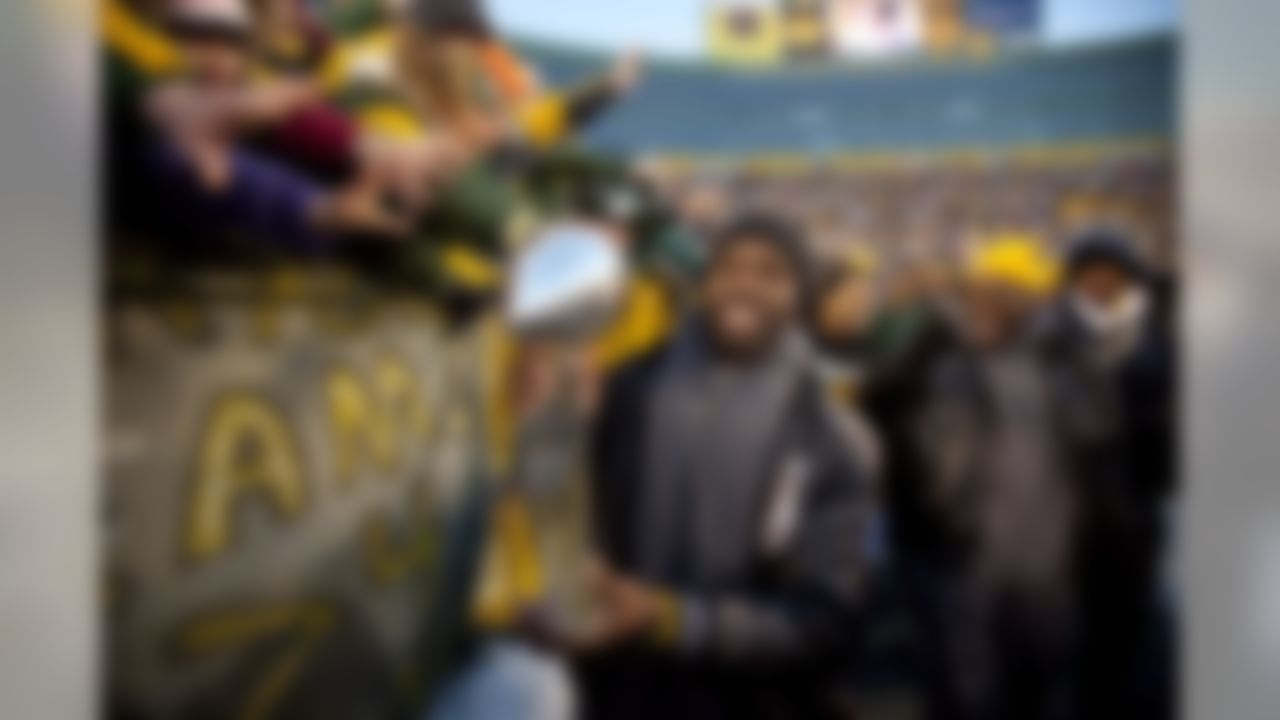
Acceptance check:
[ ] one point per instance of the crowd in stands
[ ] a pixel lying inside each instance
(939, 206)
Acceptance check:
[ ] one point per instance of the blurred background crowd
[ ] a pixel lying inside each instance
(971, 236)
(941, 209)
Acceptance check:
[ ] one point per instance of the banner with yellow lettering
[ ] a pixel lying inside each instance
(294, 492)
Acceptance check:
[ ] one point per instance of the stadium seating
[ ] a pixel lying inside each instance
(1046, 96)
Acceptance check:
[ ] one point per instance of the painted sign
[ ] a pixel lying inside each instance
(293, 500)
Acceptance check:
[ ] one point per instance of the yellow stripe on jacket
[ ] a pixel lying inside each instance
(144, 46)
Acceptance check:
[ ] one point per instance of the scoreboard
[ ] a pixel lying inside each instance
(767, 31)
(1005, 19)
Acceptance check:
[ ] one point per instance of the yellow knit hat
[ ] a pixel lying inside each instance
(1016, 259)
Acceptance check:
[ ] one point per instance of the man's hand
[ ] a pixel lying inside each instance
(628, 610)
(626, 72)
(271, 101)
(411, 171)
(358, 209)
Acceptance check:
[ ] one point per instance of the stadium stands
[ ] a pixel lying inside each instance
(1031, 97)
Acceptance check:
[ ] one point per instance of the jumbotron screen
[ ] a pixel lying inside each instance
(772, 30)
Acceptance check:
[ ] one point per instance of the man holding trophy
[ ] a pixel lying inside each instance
(728, 510)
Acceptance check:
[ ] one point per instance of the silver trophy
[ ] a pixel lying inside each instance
(566, 287)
